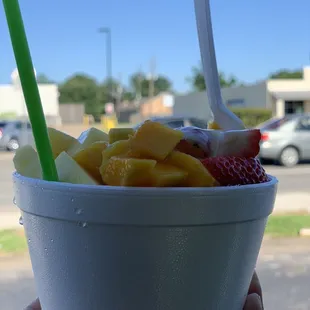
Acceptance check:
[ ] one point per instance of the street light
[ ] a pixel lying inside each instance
(107, 32)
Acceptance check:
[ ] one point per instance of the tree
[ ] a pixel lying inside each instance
(140, 84)
(81, 88)
(286, 74)
(128, 95)
(197, 80)
(43, 79)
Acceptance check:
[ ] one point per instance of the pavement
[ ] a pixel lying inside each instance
(283, 268)
(293, 193)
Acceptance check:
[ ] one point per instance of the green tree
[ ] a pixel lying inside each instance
(197, 80)
(43, 79)
(81, 88)
(286, 74)
(140, 84)
(128, 95)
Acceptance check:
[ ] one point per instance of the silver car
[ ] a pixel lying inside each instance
(14, 134)
(286, 140)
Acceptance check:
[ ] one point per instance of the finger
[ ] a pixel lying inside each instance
(255, 286)
(34, 306)
(253, 302)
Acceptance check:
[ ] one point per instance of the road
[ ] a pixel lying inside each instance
(283, 268)
(293, 193)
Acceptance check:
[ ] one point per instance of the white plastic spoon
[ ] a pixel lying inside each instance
(222, 115)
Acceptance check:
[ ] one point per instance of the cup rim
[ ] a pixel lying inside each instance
(140, 206)
(143, 191)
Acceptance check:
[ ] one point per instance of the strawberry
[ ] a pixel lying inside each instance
(233, 170)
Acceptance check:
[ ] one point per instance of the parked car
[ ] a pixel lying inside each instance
(179, 121)
(13, 134)
(286, 140)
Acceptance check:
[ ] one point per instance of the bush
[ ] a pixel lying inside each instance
(8, 115)
(252, 117)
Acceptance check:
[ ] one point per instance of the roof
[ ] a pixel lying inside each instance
(292, 95)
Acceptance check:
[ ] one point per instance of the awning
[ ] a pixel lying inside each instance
(292, 95)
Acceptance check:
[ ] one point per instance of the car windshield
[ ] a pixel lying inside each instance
(274, 123)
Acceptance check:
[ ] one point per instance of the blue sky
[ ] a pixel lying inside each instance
(252, 38)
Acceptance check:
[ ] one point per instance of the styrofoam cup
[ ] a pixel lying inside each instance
(122, 248)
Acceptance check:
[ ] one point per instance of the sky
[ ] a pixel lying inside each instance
(252, 38)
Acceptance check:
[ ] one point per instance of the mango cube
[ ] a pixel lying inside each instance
(167, 175)
(116, 149)
(198, 175)
(92, 135)
(69, 171)
(117, 134)
(61, 142)
(90, 159)
(128, 172)
(155, 140)
(214, 126)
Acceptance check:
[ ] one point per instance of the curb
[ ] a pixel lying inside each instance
(304, 232)
(9, 220)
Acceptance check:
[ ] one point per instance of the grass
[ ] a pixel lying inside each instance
(286, 225)
(12, 241)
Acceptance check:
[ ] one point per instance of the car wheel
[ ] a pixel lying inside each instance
(289, 157)
(12, 145)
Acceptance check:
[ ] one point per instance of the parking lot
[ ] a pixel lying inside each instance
(283, 268)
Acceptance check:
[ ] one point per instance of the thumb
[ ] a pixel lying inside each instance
(253, 302)
(34, 306)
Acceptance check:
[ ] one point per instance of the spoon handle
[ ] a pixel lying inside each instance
(222, 115)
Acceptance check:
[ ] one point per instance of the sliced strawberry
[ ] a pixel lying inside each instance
(233, 170)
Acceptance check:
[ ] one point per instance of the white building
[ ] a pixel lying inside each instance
(282, 96)
(12, 101)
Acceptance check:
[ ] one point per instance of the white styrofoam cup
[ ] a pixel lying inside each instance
(126, 248)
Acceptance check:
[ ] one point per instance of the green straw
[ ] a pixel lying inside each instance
(30, 88)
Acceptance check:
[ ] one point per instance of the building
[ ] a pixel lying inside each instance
(137, 111)
(12, 101)
(281, 96)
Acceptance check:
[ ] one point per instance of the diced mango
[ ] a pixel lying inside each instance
(60, 142)
(92, 135)
(119, 149)
(116, 149)
(69, 171)
(90, 159)
(168, 175)
(154, 140)
(198, 175)
(117, 134)
(214, 126)
(26, 162)
(128, 172)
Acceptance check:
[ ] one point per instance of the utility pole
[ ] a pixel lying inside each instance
(119, 94)
(151, 84)
(139, 85)
(107, 32)
(152, 77)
